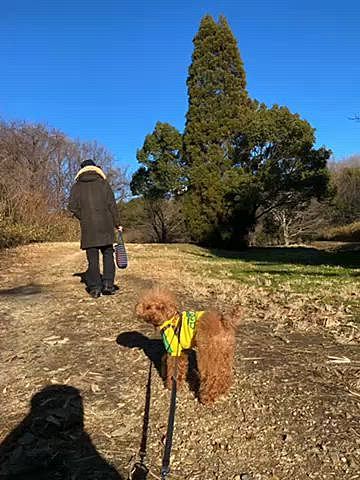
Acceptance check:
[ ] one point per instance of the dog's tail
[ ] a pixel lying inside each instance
(232, 320)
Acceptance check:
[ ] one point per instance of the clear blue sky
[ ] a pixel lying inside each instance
(109, 69)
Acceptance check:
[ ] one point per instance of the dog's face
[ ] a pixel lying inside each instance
(156, 306)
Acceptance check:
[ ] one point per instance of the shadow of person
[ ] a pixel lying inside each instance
(51, 444)
(153, 348)
(22, 290)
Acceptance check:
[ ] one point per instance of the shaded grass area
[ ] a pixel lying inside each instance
(306, 256)
(291, 263)
(302, 267)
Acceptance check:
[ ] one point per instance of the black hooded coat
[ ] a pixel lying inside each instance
(93, 203)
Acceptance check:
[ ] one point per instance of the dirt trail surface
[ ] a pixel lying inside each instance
(293, 412)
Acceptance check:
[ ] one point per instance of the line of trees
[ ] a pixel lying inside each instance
(335, 217)
(238, 163)
(38, 166)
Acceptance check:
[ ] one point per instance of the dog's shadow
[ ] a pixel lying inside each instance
(155, 351)
(153, 348)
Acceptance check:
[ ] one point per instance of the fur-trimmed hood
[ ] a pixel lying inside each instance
(89, 169)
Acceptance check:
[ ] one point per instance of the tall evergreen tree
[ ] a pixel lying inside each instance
(242, 159)
(218, 103)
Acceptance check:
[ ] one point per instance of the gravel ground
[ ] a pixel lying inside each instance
(74, 376)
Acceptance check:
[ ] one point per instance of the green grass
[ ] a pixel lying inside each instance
(294, 270)
(297, 284)
(302, 278)
(333, 275)
(284, 262)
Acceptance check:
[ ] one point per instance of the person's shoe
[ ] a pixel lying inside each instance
(108, 288)
(95, 292)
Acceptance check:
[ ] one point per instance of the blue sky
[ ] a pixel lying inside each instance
(109, 69)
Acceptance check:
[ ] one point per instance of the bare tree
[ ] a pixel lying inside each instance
(27, 152)
(40, 165)
(301, 222)
(166, 221)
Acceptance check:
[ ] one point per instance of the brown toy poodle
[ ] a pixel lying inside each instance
(212, 333)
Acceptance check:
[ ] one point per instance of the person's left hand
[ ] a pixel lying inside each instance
(120, 228)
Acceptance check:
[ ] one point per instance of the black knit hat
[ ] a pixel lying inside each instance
(88, 163)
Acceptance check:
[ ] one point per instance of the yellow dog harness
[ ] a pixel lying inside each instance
(178, 332)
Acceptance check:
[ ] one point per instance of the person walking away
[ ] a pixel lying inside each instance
(92, 202)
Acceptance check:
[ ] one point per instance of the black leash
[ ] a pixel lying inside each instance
(140, 470)
(165, 467)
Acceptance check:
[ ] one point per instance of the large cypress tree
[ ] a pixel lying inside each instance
(241, 158)
(218, 105)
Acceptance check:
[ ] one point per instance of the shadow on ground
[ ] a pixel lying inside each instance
(81, 275)
(291, 255)
(83, 279)
(51, 444)
(22, 290)
(153, 348)
(155, 351)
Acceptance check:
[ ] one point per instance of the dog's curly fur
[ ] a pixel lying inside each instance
(214, 341)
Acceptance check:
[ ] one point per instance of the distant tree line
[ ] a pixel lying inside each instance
(240, 170)
(38, 166)
(334, 217)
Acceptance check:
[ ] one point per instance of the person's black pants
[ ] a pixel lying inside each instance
(93, 277)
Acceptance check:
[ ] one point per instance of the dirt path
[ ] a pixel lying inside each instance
(292, 413)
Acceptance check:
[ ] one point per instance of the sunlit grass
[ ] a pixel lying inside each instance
(315, 278)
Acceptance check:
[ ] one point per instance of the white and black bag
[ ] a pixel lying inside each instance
(120, 252)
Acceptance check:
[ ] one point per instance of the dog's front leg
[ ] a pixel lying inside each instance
(178, 366)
